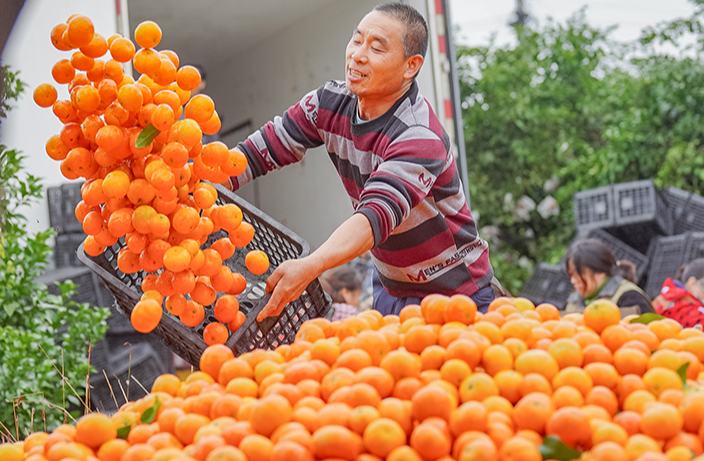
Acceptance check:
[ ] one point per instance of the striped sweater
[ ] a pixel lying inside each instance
(398, 171)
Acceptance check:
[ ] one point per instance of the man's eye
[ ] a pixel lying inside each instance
(378, 50)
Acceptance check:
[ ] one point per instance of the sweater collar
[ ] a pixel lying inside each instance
(360, 126)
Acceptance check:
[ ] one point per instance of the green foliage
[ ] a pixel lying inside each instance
(44, 364)
(672, 32)
(44, 339)
(23, 256)
(565, 109)
(10, 88)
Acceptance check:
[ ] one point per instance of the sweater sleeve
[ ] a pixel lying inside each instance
(281, 141)
(413, 161)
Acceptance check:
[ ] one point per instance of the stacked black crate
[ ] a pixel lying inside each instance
(666, 257)
(687, 209)
(130, 377)
(594, 209)
(548, 284)
(121, 340)
(669, 254)
(695, 246)
(121, 337)
(87, 290)
(68, 235)
(641, 214)
(69, 232)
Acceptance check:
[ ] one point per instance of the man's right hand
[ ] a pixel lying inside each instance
(287, 283)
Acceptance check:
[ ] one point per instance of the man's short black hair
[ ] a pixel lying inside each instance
(415, 40)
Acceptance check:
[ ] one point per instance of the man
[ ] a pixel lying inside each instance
(394, 160)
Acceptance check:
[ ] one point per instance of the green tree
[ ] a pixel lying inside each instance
(566, 108)
(44, 339)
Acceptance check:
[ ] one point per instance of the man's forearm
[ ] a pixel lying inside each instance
(351, 239)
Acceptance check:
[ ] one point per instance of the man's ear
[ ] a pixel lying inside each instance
(413, 65)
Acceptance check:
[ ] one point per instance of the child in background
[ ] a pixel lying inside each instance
(682, 301)
(344, 285)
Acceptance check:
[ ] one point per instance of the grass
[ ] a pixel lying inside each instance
(12, 434)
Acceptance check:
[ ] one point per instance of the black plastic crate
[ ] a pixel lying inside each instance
(62, 201)
(639, 201)
(270, 236)
(125, 341)
(641, 214)
(65, 247)
(622, 251)
(686, 209)
(104, 296)
(100, 358)
(71, 195)
(130, 377)
(57, 218)
(695, 246)
(122, 336)
(118, 323)
(666, 256)
(594, 209)
(85, 280)
(548, 284)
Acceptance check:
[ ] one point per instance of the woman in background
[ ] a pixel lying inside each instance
(595, 274)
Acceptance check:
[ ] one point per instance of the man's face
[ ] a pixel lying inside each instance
(375, 62)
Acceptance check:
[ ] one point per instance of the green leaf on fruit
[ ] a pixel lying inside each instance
(146, 136)
(682, 372)
(124, 431)
(554, 448)
(647, 318)
(150, 413)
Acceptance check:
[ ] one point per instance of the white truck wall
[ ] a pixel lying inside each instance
(29, 50)
(264, 81)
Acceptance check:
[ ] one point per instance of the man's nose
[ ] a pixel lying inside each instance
(359, 55)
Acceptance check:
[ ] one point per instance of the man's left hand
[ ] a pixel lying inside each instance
(286, 284)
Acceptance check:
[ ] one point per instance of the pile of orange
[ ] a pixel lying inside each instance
(138, 145)
(438, 382)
